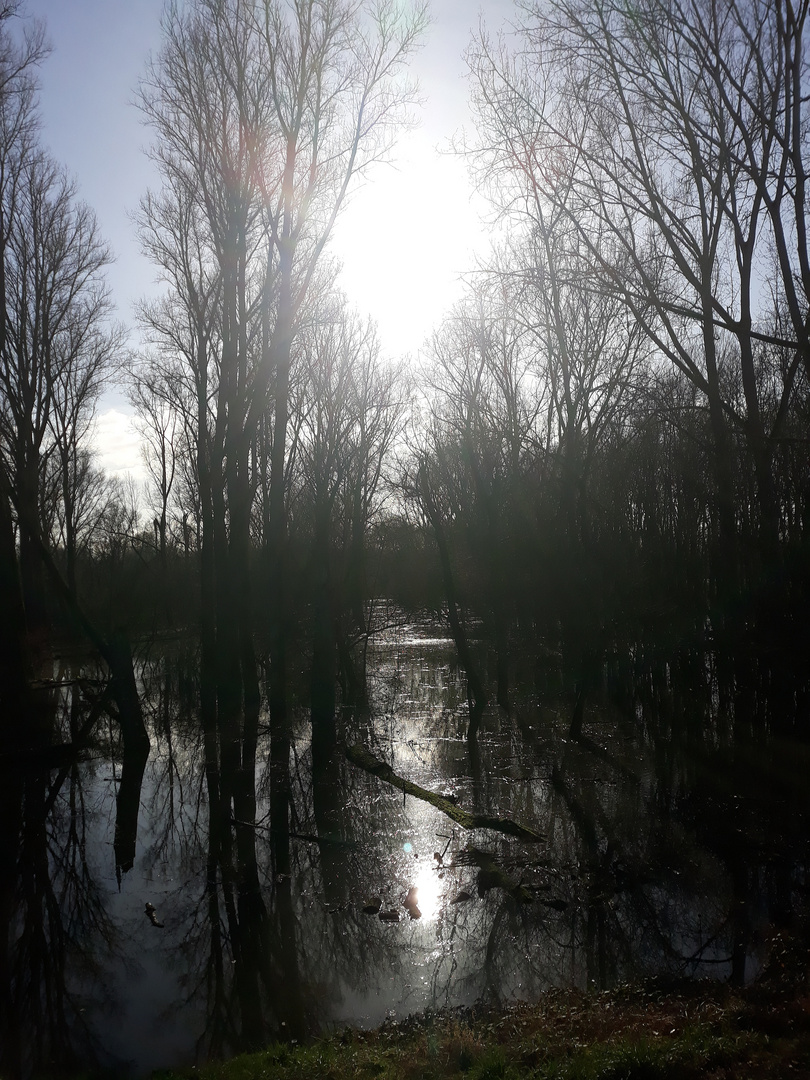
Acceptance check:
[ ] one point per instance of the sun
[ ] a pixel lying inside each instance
(404, 240)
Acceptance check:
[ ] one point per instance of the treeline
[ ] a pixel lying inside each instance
(621, 431)
(600, 460)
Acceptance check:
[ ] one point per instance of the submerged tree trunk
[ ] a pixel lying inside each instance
(502, 662)
(127, 807)
(15, 671)
(31, 575)
(586, 683)
(116, 651)
(125, 691)
(324, 672)
(475, 689)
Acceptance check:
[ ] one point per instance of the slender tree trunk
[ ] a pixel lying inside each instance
(475, 689)
(759, 444)
(356, 570)
(502, 660)
(208, 623)
(15, 669)
(725, 569)
(240, 499)
(323, 675)
(280, 353)
(69, 505)
(31, 575)
(125, 692)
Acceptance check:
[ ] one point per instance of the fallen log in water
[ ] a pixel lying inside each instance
(363, 759)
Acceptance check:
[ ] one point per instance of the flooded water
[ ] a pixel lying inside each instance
(139, 933)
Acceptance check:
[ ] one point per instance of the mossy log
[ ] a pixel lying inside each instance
(363, 759)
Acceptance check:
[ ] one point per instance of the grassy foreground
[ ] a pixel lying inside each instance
(647, 1032)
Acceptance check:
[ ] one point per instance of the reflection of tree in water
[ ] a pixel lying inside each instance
(621, 886)
(264, 925)
(641, 892)
(259, 942)
(268, 947)
(236, 925)
(340, 948)
(54, 925)
(661, 892)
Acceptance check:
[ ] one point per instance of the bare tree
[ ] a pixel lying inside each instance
(55, 348)
(182, 327)
(661, 136)
(480, 439)
(159, 424)
(263, 114)
(351, 411)
(18, 127)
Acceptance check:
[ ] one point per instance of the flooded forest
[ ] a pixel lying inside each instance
(403, 684)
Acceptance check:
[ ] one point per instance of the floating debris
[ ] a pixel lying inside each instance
(373, 906)
(151, 915)
(389, 916)
(461, 897)
(411, 903)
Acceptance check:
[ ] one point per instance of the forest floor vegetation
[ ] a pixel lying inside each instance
(650, 1031)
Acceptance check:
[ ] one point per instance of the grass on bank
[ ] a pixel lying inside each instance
(643, 1033)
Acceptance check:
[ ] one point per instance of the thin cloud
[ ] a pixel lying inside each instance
(118, 443)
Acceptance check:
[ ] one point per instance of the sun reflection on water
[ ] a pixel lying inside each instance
(429, 891)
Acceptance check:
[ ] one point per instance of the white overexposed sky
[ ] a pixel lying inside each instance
(407, 235)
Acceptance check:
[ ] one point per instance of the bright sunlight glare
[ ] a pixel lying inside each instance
(429, 890)
(406, 238)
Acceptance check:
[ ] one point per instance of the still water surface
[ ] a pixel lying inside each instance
(664, 852)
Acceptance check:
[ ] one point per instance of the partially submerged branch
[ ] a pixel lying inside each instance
(363, 759)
